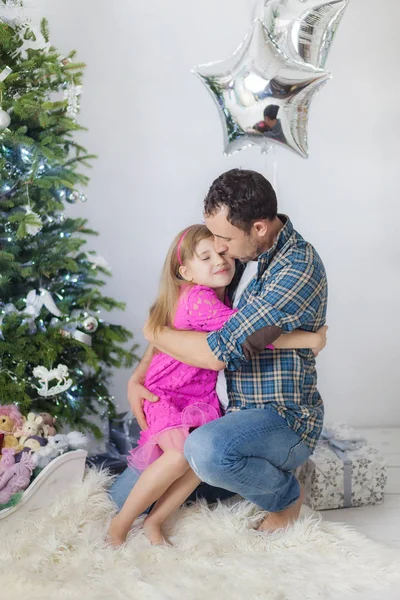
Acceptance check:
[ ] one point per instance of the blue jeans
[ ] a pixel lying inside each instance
(120, 489)
(252, 452)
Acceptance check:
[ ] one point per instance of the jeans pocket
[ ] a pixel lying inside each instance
(298, 455)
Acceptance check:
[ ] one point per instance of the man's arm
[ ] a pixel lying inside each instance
(190, 347)
(289, 301)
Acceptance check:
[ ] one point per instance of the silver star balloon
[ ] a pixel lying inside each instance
(303, 29)
(262, 96)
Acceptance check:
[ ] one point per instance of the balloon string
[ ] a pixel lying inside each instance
(272, 167)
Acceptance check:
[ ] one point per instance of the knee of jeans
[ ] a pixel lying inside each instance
(201, 454)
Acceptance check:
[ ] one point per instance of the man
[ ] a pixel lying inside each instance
(275, 413)
(271, 126)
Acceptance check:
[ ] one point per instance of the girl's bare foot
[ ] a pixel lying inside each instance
(154, 533)
(116, 534)
(282, 519)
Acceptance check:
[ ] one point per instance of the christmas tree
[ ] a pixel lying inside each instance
(50, 298)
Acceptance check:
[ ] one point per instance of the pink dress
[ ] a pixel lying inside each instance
(187, 397)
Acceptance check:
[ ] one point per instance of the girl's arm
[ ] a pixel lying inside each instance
(303, 339)
(207, 313)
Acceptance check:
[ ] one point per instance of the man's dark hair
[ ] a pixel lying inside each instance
(247, 194)
(271, 112)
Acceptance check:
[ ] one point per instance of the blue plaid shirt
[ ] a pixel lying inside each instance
(289, 291)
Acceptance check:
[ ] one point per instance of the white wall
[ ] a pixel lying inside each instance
(159, 139)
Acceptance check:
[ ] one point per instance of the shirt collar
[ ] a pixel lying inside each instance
(265, 259)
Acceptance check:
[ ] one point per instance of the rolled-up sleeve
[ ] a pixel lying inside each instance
(290, 300)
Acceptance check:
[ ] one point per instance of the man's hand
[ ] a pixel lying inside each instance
(321, 340)
(137, 393)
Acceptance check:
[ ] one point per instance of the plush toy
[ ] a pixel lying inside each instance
(8, 459)
(10, 421)
(32, 444)
(33, 425)
(16, 478)
(49, 424)
(57, 445)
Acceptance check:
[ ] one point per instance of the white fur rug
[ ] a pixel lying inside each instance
(216, 554)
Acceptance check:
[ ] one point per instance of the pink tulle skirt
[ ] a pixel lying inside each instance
(151, 445)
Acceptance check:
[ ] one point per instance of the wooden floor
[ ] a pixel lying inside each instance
(381, 522)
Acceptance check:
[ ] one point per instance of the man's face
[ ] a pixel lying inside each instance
(231, 241)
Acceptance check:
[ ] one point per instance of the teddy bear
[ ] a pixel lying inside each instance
(10, 421)
(31, 444)
(33, 425)
(15, 478)
(8, 459)
(49, 424)
(57, 445)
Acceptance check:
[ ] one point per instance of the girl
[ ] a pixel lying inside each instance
(191, 296)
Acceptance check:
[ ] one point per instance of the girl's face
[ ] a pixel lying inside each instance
(207, 267)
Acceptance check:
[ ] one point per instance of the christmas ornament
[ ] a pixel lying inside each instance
(71, 94)
(13, 13)
(70, 327)
(5, 119)
(5, 73)
(33, 228)
(90, 324)
(303, 30)
(45, 376)
(98, 261)
(73, 196)
(261, 95)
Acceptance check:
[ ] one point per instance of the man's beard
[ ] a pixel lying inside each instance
(257, 251)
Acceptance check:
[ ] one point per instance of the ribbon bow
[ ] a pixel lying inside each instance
(340, 447)
(34, 303)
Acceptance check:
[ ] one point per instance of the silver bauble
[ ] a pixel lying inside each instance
(5, 119)
(90, 324)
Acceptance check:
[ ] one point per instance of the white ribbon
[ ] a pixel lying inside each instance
(5, 73)
(70, 329)
(34, 303)
(340, 447)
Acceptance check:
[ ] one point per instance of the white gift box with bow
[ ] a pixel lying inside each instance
(343, 471)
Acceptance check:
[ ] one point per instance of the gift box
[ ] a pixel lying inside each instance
(344, 471)
(123, 434)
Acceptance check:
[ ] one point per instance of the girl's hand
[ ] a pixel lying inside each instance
(320, 340)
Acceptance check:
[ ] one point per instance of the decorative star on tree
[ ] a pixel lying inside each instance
(262, 95)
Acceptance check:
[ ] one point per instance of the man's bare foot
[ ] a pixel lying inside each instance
(154, 533)
(282, 519)
(116, 535)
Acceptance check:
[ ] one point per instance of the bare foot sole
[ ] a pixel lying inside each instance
(154, 533)
(115, 535)
(280, 520)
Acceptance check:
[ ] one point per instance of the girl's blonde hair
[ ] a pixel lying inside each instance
(163, 310)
